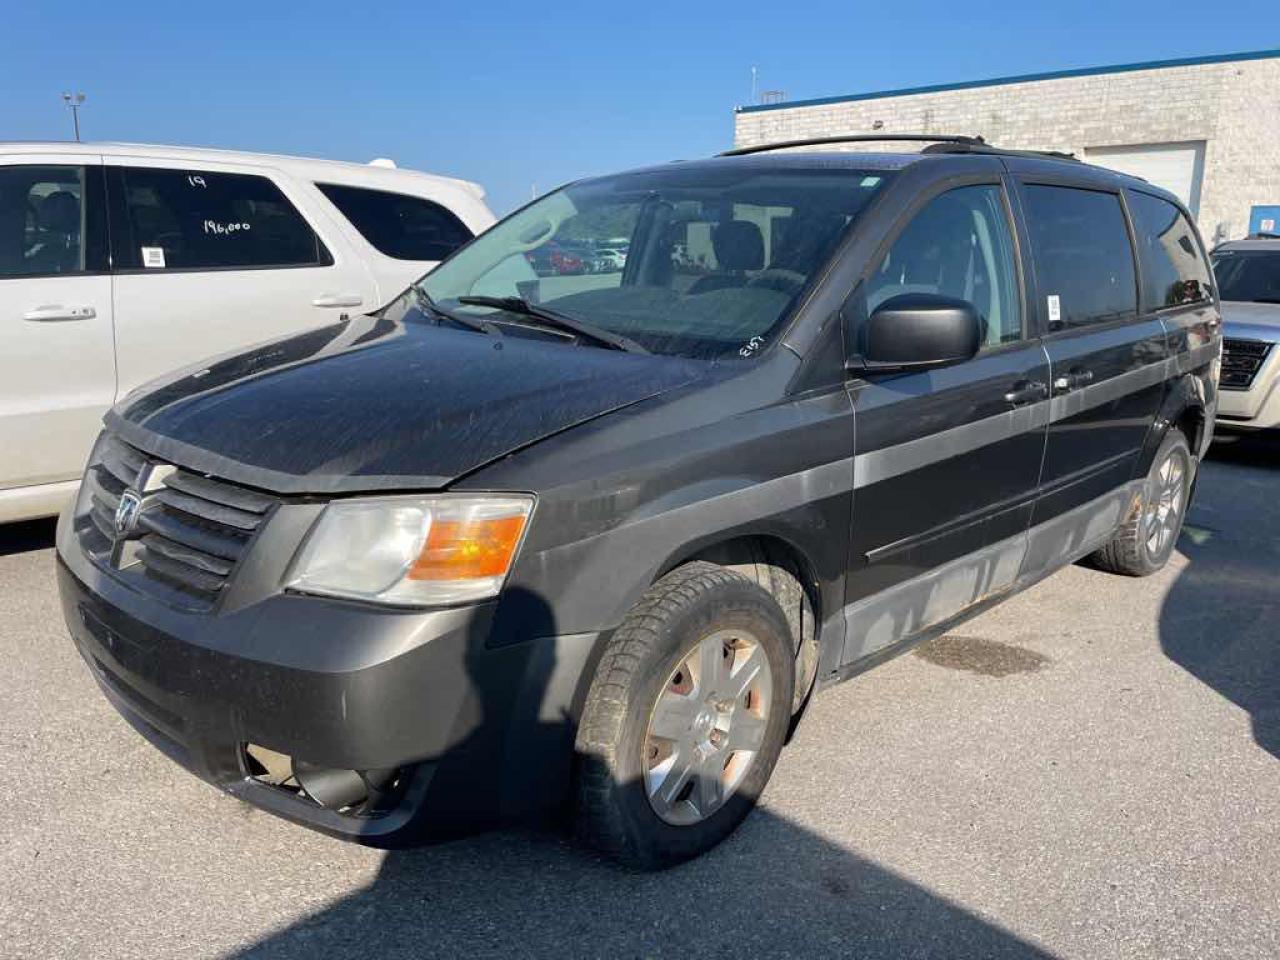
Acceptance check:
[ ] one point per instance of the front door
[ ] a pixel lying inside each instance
(947, 460)
(57, 359)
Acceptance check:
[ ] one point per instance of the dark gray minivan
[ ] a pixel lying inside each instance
(535, 540)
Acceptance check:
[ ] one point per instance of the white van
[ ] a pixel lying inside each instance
(119, 262)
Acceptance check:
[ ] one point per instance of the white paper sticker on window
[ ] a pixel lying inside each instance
(1268, 226)
(1055, 308)
(153, 256)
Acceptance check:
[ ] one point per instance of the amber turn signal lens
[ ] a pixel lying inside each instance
(468, 549)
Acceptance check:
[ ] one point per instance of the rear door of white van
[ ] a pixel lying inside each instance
(216, 256)
(57, 364)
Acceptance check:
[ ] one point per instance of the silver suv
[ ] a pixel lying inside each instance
(1248, 273)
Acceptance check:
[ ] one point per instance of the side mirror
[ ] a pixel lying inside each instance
(916, 331)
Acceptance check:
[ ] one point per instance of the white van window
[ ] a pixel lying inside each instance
(196, 219)
(398, 225)
(41, 220)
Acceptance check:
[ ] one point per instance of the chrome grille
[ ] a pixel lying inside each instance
(1241, 361)
(190, 532)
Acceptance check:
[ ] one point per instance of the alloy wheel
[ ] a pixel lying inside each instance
(1164, 505)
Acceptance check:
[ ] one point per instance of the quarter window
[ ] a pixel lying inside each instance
(1084, 261)
(195, 219)
(1173, 267)
(398, 225)
(42, 226)
(958, 245)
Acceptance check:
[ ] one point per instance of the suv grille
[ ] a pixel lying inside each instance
(190, 530)
(1241, 361)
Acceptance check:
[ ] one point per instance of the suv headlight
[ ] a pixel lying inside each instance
(412, 551)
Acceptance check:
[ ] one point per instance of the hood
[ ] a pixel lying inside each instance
(1251, 321)
(376, 404)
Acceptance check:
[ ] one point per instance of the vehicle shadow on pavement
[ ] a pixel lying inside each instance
(1220, 618)
(772, 889)
(26, 536)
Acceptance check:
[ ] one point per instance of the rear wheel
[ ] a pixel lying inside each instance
(1144, 544)
(685, 717)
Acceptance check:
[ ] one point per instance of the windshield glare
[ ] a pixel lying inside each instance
(699, 262)
(1248, 275)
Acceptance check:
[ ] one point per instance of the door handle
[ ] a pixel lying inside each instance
(338, 300)
(1027, 391)
(54, 312)
(1073, 381)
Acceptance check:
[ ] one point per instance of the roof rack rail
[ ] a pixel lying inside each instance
(986, 148)
(957, 141)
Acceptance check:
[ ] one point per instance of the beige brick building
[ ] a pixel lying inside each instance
(1206, 128)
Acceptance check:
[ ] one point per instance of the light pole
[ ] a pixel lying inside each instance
(74, 101)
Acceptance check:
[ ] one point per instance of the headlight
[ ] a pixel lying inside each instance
(412, 551)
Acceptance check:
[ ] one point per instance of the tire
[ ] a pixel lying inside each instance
(781, 580)
(650, 679)
(1145, 542)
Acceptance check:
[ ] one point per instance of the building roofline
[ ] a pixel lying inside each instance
(1022, 78)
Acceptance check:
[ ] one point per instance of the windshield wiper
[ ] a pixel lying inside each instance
(427, 305)
(558, 321)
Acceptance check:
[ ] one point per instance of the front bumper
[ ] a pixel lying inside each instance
(482, 729)
(1258, 407)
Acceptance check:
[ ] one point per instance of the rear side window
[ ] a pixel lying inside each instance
(398, 225)
(1083, 258)
(1173, 268)
(959, 245)
(196, 219)
(42, 220)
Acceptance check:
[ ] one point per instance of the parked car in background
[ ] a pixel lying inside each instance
(119, 262)
(1248, 274)
(554, 259)
(570, 261)
(608, 261)
(519, 544)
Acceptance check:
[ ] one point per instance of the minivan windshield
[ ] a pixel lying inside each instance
(716, 256)
(1248, 275)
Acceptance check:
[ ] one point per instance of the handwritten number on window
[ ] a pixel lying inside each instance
(222, 229)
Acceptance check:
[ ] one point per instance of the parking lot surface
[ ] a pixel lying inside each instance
(1090, 770)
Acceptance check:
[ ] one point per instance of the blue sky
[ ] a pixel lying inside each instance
(543, 91)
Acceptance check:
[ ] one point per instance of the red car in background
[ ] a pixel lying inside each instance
(551, 258)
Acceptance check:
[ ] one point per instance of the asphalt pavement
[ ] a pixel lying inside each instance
(1091, 769)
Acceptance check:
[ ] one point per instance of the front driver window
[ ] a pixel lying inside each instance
(960, 246)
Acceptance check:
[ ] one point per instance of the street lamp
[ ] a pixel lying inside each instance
(74, 101)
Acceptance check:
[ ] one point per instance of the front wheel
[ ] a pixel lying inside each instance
(685, 717)
(1144, 544)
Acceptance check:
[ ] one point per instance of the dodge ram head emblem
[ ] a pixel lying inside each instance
(127, 512)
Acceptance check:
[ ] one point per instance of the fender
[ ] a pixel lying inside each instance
(1184, 400)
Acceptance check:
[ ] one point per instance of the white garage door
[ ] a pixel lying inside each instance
(1177, 167)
